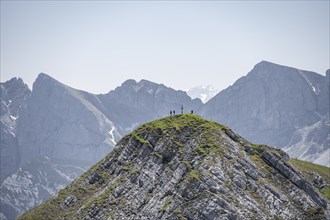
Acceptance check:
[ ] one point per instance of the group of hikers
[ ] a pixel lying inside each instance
(173, 112)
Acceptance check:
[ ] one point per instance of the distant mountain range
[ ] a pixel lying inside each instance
(68, 130)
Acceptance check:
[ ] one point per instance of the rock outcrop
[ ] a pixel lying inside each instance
(185, 167)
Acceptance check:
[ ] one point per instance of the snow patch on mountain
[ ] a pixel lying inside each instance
(13, 117)
(112, 138)
(303, 75)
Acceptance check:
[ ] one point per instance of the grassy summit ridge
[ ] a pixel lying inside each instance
(184, 166)
(164, 127)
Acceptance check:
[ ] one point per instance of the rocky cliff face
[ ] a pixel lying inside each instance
(272, 103)
(185, 167)
(14, 94)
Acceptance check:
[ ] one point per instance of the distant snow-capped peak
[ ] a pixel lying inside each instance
(204, 93)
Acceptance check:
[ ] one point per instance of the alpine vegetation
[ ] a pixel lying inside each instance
(186, 167)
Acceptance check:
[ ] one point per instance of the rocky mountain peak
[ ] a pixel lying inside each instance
(13, 93)
(266, 69)
(129, 82)
(45, 77)
(45, 82)
(186, 167)
(264, 63)
(10, 90)
(13, 83)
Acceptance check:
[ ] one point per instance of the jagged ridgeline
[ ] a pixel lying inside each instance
(185, 167)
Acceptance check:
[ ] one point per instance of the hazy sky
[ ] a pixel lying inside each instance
(96, 45)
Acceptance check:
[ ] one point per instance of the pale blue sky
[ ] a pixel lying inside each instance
(96, 45)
